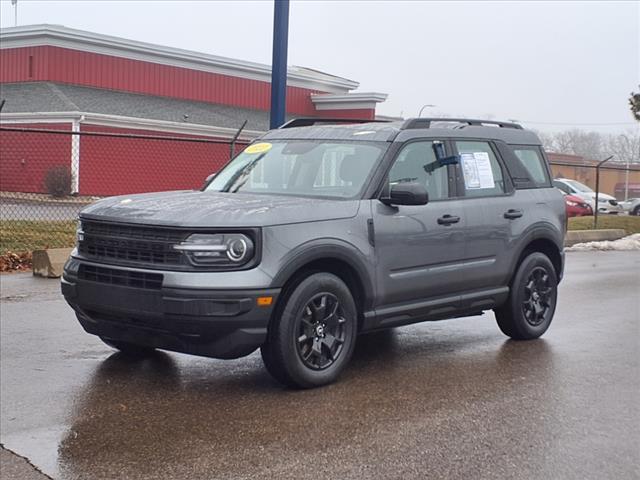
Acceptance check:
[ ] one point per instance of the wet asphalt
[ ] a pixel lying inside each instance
(451, 399)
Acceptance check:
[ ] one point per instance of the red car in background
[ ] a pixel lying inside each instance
(577, 207)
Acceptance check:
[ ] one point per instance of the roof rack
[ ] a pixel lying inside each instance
(309, 121)
(413, 123)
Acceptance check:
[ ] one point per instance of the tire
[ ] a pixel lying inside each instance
(313, 333)
(129, 349)
(532, 300)
(636, 211)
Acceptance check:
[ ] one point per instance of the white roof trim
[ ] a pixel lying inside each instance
(60, 36)
(375, 97)
(348, 101)
(117, 121)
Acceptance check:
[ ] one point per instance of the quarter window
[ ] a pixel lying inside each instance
(481, 171)
(417, 162)
(534, 163)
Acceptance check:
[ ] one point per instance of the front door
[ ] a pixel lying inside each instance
(419, 247)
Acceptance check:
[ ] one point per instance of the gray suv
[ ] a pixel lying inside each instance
(322, 230)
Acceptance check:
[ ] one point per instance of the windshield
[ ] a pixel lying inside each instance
(579, 186)
(301, 168)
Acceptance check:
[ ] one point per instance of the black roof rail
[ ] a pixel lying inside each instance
(413, 123)
(309, 121)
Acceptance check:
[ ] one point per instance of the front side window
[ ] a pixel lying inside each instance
(300, 168)
(534, 163)
(481, 171)
(417, 162)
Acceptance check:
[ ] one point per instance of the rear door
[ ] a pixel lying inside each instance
(419, 248)
(493, 212)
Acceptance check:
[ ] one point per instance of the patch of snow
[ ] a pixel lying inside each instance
(631, 242)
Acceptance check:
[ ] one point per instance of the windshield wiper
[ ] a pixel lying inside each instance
(244, 171)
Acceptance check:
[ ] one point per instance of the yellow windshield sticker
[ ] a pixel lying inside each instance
(258, 148)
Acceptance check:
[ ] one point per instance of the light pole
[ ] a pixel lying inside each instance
(279, 63)
(423, 107)
(15, 12)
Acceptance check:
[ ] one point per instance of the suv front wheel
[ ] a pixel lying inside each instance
(312, 336)
(532, 300)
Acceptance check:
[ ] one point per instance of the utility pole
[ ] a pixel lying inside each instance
(279, 63)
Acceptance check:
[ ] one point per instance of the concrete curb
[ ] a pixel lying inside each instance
(582, 236)
(49, 263)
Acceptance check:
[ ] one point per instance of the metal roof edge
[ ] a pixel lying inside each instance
(65, 37)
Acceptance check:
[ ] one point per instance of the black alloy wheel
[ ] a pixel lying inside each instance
(321, 331)
(538, 293)
(533, 294)
(312, 334)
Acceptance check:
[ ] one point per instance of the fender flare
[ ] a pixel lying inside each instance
(545, 231)
(329, 248)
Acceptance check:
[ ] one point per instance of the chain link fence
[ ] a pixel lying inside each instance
(617, 179)
(47, 175)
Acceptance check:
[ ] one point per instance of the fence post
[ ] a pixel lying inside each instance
(75, 157)
(595, 210)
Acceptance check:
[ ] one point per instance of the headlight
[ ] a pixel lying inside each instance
(571, 204)
(79, 233)
(219, 249)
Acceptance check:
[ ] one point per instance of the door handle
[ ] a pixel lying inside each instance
(511, 214)
(448, 219)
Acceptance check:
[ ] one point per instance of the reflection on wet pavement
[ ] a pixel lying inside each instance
(450, 399)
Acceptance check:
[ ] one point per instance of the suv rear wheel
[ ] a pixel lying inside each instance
(312, 337)
(529, 310)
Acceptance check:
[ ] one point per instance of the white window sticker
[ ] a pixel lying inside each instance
(476, 169)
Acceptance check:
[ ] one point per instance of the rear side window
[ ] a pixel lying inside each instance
(533, 161)
(481, 170)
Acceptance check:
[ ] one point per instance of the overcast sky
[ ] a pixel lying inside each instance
(550, 65)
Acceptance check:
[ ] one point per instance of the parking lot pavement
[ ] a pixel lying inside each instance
(450, 399)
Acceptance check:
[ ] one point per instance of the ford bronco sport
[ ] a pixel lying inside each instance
(319, 231)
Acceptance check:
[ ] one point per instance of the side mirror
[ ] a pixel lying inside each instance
(406, 193)
(210, 177)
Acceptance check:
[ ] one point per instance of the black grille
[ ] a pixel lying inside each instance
(131, 244)
(125, 278)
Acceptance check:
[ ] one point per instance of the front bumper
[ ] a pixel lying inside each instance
(209, 322)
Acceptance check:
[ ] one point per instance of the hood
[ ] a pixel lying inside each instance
(217, 209)
(601, 196)
(591, 196)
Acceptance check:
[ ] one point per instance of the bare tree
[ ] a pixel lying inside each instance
(594, 145)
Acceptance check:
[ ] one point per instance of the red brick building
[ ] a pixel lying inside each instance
(53, 77)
